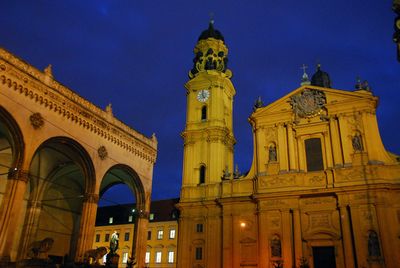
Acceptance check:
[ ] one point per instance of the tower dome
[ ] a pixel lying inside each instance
(211, 33)
(320, 78)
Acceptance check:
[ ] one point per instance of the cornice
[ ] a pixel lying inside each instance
(42, 89)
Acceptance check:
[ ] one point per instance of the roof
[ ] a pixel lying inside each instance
(160, 210)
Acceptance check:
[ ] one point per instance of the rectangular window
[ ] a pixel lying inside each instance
(126, 238)
(97, 237)
(172, 234)
(130, 218)
(199, 228)
(160, 234)
(199, 253)
(125, 257)
(147, 257)
(110, 220)
(148, 235)
(151, 217)
(314, 158)
(171, 256)
(158, 257)
(107, 238)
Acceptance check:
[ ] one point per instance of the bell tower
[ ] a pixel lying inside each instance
(208, 135)
(208, 153)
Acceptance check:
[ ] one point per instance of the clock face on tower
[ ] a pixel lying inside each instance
(203, 95)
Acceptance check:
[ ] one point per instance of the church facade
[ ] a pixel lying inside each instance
(58, 154)
(322, 190)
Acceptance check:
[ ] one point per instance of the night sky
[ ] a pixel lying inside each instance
(137, 55)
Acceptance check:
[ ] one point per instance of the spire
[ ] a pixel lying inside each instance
(320, 78)
(304, 80)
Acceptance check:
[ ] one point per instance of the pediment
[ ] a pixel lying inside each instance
(333, 98)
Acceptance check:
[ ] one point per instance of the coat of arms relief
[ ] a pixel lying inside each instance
(309, 103)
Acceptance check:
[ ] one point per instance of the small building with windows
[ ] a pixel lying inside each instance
(161, 234)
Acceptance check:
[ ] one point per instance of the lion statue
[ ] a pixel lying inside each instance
(94, 255)
(39, 249)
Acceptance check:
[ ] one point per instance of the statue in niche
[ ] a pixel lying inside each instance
(272, 153)
(357, 143)
(276, 250)
(373, 245)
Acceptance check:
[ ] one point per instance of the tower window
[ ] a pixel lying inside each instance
(202, 176)
(314, 158)
(204, 113)
(199, 253)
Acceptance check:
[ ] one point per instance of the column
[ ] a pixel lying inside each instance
(292, 150)
(298, 247)
(335, 141)
(30, 226)
(227, 240)
(87, 225)
(140, 239)
(282, 148)
(346, 237)
(328, 150)
(287, 239)
(10, 210)
(345, 138)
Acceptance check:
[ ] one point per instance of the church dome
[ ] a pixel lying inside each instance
(211, 33)
(320, 78)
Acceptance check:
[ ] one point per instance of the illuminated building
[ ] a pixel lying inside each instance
(322, 190)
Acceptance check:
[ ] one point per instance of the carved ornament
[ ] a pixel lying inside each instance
(37, 120)
(102, 152)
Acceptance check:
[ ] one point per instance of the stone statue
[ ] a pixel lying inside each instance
(95, 255)
(39, 249)
(114, 241)
(373, 245)
(357, 144)
(272, 153)
(276, 249)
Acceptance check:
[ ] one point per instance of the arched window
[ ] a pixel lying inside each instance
(202, 176)
(314, 154)
(204, 113)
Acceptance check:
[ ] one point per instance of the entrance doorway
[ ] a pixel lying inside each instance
(324, 257)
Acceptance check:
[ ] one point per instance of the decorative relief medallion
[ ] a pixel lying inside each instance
(281, 181)
(308, 103)
(37, 120)
(317, 180)
(102, 152)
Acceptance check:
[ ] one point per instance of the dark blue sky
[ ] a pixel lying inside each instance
(137, 54)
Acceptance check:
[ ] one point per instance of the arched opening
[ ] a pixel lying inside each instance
(60, 174)
(11, 149)
(121, 204)
(204, 113)
(202, 175)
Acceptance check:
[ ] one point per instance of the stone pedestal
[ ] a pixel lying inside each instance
(112, 260)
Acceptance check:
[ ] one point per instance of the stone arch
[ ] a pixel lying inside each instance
(14, 136)
(61, 177)
(127, 175)
(121, 173)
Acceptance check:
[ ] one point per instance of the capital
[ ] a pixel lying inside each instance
(91, 198)
(18, 174)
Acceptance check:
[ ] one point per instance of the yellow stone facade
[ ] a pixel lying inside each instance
(321, 184)
(58, 153)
